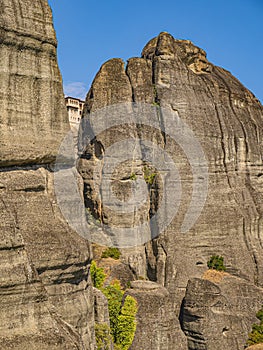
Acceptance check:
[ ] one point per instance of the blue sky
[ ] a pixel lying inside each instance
(91, 32)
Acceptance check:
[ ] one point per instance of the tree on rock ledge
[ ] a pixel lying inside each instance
(216, 262)
(256, 335)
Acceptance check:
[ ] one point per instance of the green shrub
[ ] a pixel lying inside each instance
(114, 295)
(216, 262)
(259, 315)
(103, 336)
(122, 313)
(122, 316)
(126, 323)
(149, 175)
(111, 253)
(256, 335)
(133, 177)
(97, 275)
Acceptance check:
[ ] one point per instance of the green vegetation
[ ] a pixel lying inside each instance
(126, 323)
(122, 315)
(216, 262)
(103, 336)
(114, 295)
(116, 347)
(133, 177)
(256, 335)
(111, 252)
(259, 314)
(149, 175)
(122, 312)
(97, 275)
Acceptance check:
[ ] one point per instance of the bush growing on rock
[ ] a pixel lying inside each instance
(97, 275)
(112, 252)
(256, 335)
(126, 323)
(103, 336)
(216, 262)
(259, 315)
(114, 295)
(149, 175)
(122, 316)
(133, 177)
(122, 312)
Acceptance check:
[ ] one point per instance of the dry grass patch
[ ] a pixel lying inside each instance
(255, 347)
(214, 275)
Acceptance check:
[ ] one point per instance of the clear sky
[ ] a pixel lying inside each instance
(91, 32)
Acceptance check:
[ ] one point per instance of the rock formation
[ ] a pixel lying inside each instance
(215, 314)
(158, 326)
(46, 297)
(256, 347)
(45, 293)
(227, 120)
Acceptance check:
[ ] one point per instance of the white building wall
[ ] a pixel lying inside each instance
(74, 108)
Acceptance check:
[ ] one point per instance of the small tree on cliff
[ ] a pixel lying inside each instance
(97, 275)
(122, 312)
(103, 336)
(216, 262)
(256, 335)
(126, 323)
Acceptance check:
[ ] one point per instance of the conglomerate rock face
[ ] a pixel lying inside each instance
(46, 299)
(227, 120)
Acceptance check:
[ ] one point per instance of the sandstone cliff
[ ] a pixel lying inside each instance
(46, 296)
(45, 293)
(216, 315)
(227, 120)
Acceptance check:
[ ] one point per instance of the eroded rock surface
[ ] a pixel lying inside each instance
(157, 324)
(219, 315)
(46, 296)
(45, 293)
(101, 307)
(33, 119)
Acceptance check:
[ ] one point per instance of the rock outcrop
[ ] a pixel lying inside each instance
(157, 324)
(46, 296)
(215, 315)
(101, 307)
(33, 118)
(45, 293)
(256, 347)
(226, 118)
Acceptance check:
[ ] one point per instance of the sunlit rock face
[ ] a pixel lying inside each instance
(46, 297)
(33, 116)
(218, 314)
(226, 119)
